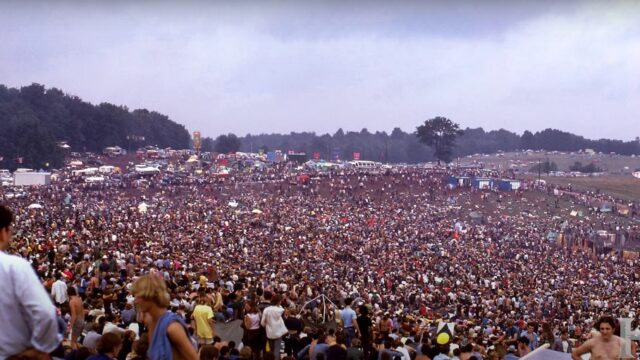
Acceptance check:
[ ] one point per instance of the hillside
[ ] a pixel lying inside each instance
(34, 120)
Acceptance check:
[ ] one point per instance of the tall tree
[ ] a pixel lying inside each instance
(440, 134)
(528, 141)
(227, 143)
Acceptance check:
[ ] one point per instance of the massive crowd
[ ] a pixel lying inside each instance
(372, 262)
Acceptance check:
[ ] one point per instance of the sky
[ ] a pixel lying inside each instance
(281, 66)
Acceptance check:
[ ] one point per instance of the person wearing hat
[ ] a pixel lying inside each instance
(30, 327)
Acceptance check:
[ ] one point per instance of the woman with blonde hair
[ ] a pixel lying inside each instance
(167, 331)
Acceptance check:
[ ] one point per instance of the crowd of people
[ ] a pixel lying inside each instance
(345, 266)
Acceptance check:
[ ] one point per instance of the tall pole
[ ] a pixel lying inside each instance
(539, 171)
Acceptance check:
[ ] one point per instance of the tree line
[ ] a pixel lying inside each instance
(410, 147)
(35, 120)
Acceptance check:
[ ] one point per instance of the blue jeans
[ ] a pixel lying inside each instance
(274, 345)
(349, 334)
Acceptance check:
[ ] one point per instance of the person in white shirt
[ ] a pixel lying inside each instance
(28, 318)
(110, 326)
(274, 325)
(59, 291)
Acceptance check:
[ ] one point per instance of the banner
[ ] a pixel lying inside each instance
(356, 156)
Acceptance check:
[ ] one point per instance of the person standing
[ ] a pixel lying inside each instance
(59, 292)
(77, 316)
(251, 330)
(365, 330)
(26, 310)
(274, 324)
(349, 322)
(203, 321)
(167, 331)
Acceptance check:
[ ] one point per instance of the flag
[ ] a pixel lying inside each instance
(19, 160)
(444, 335)
(316, 155)
(356, 156)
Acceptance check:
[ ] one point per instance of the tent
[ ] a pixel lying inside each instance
(543, 353)
(94, 179)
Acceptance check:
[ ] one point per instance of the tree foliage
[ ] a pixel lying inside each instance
(544, 167)
(34, 120)
(588, 169)
(403, 147)
(227, 144)
(440, 134)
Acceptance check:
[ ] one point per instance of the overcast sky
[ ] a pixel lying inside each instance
(281, 66)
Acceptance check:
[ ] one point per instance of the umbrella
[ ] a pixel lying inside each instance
(34, 206)
(256, 211)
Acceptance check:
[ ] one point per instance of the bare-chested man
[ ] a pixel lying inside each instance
(77, 316)
(605, 346)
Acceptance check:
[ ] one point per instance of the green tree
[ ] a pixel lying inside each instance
(227, 143)
(544, 167)
(440, 134)
(528, 141)
(590, 168)
(208, 144)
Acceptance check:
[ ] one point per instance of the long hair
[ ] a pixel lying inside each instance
(152, 288)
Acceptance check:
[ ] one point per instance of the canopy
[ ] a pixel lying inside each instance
(192, 159)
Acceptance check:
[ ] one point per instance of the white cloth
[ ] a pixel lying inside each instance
(110, 327)
(59, 292)
(404, 352)
(27, 315)
(273, 322)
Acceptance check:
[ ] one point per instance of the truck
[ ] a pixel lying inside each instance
(31, 178)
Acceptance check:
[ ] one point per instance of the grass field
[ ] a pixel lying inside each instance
(625, 187)
(618, 182)
(611, 163)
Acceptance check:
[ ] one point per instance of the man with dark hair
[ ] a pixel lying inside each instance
(26, 311)
(603, 346)
(349, 322)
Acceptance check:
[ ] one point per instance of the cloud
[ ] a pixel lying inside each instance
(280, 66)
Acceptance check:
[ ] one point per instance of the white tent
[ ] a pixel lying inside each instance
(543, 353)
(94, 179)
(106, 168)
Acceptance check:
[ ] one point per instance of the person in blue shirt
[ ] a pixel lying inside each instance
(531, 334)
(349, 322)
